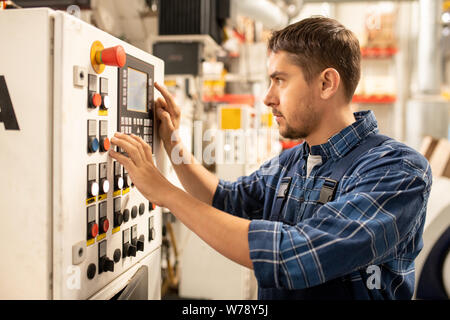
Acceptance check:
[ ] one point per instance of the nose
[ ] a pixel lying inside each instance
(271, 98)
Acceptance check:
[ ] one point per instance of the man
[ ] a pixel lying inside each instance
(358, 243)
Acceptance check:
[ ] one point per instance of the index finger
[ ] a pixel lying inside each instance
(168, 97)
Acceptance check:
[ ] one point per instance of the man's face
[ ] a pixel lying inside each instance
(291, 98)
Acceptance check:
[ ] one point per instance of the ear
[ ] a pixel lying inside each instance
(329, 83)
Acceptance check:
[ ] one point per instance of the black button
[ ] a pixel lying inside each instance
(92, 269)
(134, 212)
(118, 219)
(116, 255)
(141, 209)
(126, 215)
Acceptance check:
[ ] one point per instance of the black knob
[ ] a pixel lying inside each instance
(126, 215)
(129, 250)
(118, 219)
(141, 209)
(91, 270)
(116, 255)
(140, 243)
(132, 251)
(106, 264)
(134, 211)
(151, 234)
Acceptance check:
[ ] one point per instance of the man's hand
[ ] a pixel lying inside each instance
(143, 172)
(169, 115)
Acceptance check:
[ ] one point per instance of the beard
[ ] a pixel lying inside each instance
(306, 121)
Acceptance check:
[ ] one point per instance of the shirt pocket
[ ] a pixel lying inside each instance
(291, 210)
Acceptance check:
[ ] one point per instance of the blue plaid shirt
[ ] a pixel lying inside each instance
(372, 228)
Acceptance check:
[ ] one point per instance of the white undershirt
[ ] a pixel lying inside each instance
(313, 160)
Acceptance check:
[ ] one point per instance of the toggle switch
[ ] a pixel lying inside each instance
(129, 250)
(139, 243)
(105, 264)
(151, 229)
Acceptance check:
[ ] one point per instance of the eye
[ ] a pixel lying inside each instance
(278, 80)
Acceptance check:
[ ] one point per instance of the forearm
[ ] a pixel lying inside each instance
(195, 179)
(225, 233)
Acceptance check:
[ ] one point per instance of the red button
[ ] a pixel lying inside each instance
(97, 100)
(106, 144)
(105, 225)
(114, 56)
(94, 230)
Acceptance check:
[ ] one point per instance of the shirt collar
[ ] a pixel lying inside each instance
(342, 142)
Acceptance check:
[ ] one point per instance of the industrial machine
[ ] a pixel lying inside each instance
(74, 225)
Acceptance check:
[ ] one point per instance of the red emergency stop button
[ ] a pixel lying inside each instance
(105, 144)
(114, 56)
(92, 230)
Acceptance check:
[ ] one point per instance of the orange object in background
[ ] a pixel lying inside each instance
(287, 144)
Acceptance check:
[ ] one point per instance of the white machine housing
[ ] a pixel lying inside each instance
(43, 207)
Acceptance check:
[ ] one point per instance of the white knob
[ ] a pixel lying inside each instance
(120, 182)
(93, 189)
(105, 186)
(106, 102)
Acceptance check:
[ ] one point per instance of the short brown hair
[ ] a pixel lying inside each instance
(318, 43)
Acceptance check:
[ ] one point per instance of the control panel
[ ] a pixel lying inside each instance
(92, 227)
